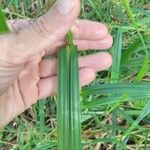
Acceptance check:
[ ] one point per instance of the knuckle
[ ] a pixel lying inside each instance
(41, 28)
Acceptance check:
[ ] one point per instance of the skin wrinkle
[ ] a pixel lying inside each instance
(35, 27)
(23, 100)
(36, 80)
(3, 103)
(43, 26)
(7, 71)
(12, 26)
(38, 89)
(41, 29)
(54, 48)
(14, 30)
(9, 110)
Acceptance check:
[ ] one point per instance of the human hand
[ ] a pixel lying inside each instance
(25, 77)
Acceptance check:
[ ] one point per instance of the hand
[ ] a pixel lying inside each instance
(25, 77)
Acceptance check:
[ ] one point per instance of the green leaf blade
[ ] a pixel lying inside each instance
(68, 110)
(75, 100)
(63, 101)
(3, 23)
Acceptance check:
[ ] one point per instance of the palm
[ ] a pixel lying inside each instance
(23, 92)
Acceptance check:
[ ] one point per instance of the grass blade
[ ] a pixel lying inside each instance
(144, 67)
(41, 115)
(3, 23)
(117, 89)
(111, 140)
(143, 114)
(117, 49)
(63, 101)
(112, 93)
(68, 111)
(115, 70)
(136, 46)
(75, 101)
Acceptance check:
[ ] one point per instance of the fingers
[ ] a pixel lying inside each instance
(46, 30)
(98, 62)
(82, 29)
(87, 34)
(102, 44)
(96, 45)
(47, 86)
(89, 30)
(88, 68)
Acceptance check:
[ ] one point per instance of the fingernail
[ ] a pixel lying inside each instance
(65, 6)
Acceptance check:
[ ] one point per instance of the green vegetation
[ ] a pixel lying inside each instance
(3, 24)
(68, 108)
(115, 107)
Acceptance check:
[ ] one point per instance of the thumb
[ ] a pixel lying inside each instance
(46, 30)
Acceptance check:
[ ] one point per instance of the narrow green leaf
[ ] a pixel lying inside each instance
(41, 115)
(68, 110)
(63, 110)
(74, 101)
(112, 100)
(45, 146)
(69, 39)
(3, 23)
(117, 89)
(117, 104)
(115, 70)
(116, 52)
(108, 140)
(112, 93)
(121, 112)
(143, 70)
